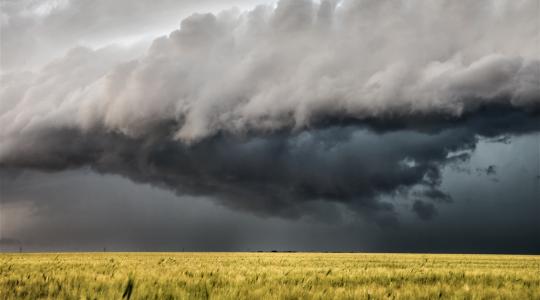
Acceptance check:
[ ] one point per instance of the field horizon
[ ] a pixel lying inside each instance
(266, 251)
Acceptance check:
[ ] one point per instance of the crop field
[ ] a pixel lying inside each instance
(267, 276)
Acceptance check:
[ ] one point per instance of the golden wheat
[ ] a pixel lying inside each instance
(267, 276)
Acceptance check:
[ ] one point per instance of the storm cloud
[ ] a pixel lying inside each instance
(280, 108)
(294, 66)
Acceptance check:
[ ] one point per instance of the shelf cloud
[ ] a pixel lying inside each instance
(276, 108)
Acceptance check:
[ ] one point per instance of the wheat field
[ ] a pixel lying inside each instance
(267, 276)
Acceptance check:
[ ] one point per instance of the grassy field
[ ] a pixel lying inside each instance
(267, 276)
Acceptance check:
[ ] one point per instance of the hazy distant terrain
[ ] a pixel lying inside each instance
(268, 275)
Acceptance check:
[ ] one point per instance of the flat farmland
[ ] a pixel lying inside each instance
(267, 276)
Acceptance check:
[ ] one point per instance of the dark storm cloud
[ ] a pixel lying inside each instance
(490, 170)
(81, 210)
(425, 211)
(277, 174)
(435, 195)
(274, 109)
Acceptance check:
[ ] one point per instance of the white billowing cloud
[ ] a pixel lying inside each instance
(35, 31)
(290, 66)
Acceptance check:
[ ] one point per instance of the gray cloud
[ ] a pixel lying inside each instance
(279, 174)
(274, 109)
(81, 210)
(9, 242)
(425, 211)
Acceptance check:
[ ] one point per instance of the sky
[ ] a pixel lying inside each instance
(291, 125)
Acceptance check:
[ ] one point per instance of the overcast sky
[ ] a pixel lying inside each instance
(258, 125)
